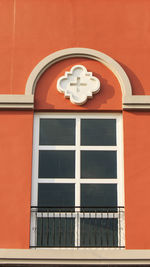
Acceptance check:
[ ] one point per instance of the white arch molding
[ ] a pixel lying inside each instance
(26, 101)
(60, 55)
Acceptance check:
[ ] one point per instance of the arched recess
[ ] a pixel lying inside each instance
(48, 61)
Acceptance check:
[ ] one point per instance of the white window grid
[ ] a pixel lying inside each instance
(119, 180)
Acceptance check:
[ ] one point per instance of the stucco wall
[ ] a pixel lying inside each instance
(33, 29)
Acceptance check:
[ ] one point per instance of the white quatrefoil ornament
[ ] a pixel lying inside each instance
(78, 84)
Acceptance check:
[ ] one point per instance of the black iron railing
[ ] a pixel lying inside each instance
(77, 227)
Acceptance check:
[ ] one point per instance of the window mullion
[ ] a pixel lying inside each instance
(77, 174)
(77, 186)
(120, 172)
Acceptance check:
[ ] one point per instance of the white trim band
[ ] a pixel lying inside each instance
(17, 101)
(82, 256)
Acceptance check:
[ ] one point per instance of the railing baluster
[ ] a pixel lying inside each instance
(114, 226)
(59, 239)
(101, 230)
(83, 228)
(53, 231)
(71, 241)
(42, 229)
(47, 233)
(95, 228)
(119, 225)
(65, 230)
(89, 228)
(107, 229)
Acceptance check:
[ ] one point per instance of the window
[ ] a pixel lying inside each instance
(77, 181)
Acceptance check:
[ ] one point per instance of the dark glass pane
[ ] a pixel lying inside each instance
(101, 232)
(55, 232)
(98, 132)
(57, 131)
(56, 195)
(98, 164)
(98, 195)
(56, 164)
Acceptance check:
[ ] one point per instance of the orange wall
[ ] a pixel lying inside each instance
(32, 29)
(15, 178)
(137, 179)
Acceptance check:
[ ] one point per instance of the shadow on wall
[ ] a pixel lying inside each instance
(105, 87)
(137, 88)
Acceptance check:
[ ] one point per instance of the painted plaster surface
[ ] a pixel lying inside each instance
(116, 28)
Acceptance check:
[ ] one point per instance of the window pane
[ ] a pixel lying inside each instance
(57, 131)
(100, 132)
(98, 195)
(56, 195)
(55, 232)
(99, 232)
(98, 164)
(56, 164)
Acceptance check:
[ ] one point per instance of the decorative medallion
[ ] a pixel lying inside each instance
(78, 84)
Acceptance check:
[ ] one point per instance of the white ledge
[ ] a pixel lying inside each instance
(17, 101)
(74, 256)
(136, 102)
(27, 102)
(137, 99)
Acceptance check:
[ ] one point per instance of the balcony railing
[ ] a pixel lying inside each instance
(77, 227)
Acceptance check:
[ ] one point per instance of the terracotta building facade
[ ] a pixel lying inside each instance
(74, 135)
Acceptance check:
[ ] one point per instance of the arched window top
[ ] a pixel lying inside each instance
(48, 61)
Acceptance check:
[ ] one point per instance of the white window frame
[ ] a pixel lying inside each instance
(119, 180)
